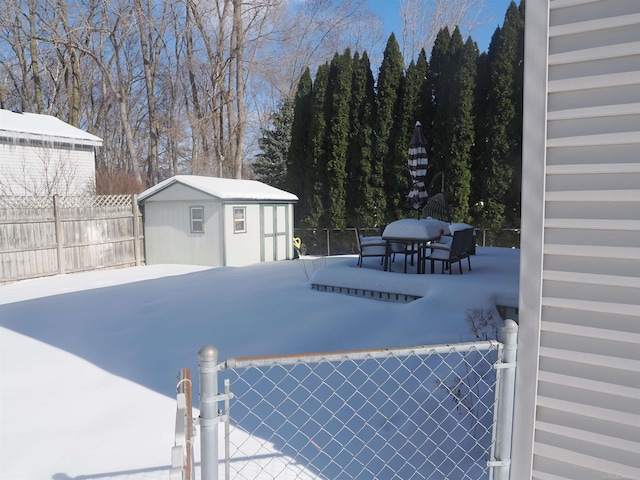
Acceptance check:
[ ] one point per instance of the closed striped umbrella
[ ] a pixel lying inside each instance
(418, 162)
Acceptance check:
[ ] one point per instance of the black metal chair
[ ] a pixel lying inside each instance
(461, 247)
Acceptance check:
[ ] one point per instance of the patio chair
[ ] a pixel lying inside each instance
(373, 246)
(454, 250)
(408, 250)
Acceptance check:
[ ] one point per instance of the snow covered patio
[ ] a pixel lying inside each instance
(89, 361)
(370, 281)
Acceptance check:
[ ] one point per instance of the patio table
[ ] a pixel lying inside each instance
(412, 231)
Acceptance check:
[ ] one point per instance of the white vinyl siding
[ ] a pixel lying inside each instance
(586, 407)
(46, 169)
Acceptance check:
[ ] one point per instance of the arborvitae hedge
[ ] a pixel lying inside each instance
(348, 156)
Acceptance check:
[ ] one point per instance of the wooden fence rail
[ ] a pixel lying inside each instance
(42, 236)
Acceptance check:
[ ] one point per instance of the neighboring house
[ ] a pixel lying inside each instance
(41, 155)
(577, 405)
(197, 220)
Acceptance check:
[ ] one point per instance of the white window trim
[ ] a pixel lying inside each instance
(244, 220)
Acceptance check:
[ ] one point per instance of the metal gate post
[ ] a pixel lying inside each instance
(506, 374)
(208, 357)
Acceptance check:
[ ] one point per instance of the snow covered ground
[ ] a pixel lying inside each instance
(88, 362)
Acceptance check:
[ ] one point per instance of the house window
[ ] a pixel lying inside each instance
(239, 224)
(197, 219)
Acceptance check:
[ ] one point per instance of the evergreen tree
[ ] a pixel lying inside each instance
(365, 192)
(438, 87)
(480, 148)
(513, 216)
(388, 104)
(298, 155)
(503, 159)
(423, 110)
(412, 108)
(337, 116)
(458, 158)
(452, 79)
(348, 156)
(316, 161)
(270, 166)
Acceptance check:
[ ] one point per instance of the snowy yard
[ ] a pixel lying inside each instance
(89, 361)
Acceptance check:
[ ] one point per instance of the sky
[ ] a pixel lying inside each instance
(88, 361)
(492, 18)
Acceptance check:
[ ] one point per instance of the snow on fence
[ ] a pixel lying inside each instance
(42, 236)
(440, 411)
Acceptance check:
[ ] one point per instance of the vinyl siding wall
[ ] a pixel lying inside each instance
(578, 392)
(44, 169)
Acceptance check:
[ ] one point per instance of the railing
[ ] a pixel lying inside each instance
(441, 411)
(325, 242)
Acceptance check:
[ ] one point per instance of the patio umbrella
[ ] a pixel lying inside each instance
(418, 162)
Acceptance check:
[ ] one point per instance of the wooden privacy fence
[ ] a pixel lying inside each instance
(42, 236)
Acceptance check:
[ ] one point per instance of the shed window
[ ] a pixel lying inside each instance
(239, 224)
(197, 219)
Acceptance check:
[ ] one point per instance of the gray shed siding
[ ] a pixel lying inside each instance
(577, 412)
(242, 248)
(167, 228)
(268, 237)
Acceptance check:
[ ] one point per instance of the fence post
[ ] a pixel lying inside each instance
(59, 234)
(208, 357)
(135, 212)
(328, 244)
(506, 374)
(185, 387)
(182, 452)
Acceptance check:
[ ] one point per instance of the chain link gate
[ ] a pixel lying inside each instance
(429, 412)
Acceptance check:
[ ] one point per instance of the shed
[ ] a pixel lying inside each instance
(211, 221)
(41, 155)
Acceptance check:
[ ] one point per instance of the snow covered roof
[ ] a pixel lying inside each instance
(224, 188)
(15, 126)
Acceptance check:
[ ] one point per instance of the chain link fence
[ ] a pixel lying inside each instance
(414, 413)
(324, 242)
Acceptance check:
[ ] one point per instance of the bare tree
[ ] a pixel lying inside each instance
(151, 32)
(15, 30)
(301, 35)
(307, 34)
(170, 86)
(423, 19)
(70, 62)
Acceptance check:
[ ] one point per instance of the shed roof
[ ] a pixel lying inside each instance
(224, 188)
(15, 126)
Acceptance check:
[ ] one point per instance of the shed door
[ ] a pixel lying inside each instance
(274, 232)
